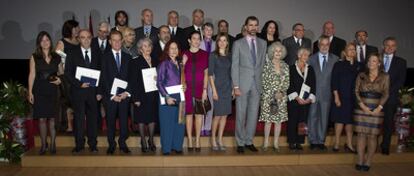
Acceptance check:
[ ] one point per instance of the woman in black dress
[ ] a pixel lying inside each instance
(298, 106)
(342, 83)
(45, 66)
(270, 32)
(69, 42)
(145, 103)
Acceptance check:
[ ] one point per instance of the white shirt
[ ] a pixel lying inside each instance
(100, 42)
(173, 29)
(89, 53)
(162, 45)
(321, 59)
(120, 55)
(199, 28)
(296, 40)
(359, 51)
(331, 38)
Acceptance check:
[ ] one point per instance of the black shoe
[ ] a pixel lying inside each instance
(385, 151)
(365, 168)
(125, 150)
(166, 153)
(313, 146)
(322, 147)
(299, 147)
(358, 167)
(151, 145)
(292, 146)
(144, 147)
(110, 150)
(190, 149)
(93, 149)
(251, 148)
(178, 152)
(42, 151)
(198, 149)
(347, 149)
(53, 149)
(240, 149)
(77, 150)
(335, 149)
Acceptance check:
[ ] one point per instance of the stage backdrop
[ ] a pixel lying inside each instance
(21, 20)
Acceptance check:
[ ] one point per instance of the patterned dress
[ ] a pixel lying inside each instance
(274, 82)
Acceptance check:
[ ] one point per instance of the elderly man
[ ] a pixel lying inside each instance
(147, 29)
(336, 44)
(294, 42)
(322, 62)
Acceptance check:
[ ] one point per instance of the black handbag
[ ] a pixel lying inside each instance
(202, 107)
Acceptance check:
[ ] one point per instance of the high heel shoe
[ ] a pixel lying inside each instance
(144, 146)
(334, 149)
(43, 149)
(347, 149)
(53, 148)
(151, 145)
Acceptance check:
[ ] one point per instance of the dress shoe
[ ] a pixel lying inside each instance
(385, 151)
(365, 168)
(240, 149)
(93, 149)
(178, 152)
(299, 147)
(292, 146)
(313, 146)
(151, 145)
(347, 149)
(125, 150)
(110, 150)
(77, 150)
(198, 149)
(334, 149)
(322, 147)
(53, 149)
(251, 148)
(144, 146)
(358, 167)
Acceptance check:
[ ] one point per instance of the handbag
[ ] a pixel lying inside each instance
(274, 105)
(302, 128)
(202, 107)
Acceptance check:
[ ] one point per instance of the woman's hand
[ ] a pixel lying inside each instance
(30, 97)
(215, 96)
(137, 103)
(57, 81)
(237, 92)
(377, 110)
(300, 100)
(171, 101)
(337, 102)
(185, 59)
(365, 108)
(204, 95)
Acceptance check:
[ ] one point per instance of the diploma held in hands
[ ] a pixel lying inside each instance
(178, 89)
(118, 86)
(87, 75)
(149, 76)
(304, 92)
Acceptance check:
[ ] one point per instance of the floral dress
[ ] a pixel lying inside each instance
(274, 82)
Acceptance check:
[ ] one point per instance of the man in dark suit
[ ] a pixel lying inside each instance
(198, 21)
(146, 30)
(337, 44)
(363, 49)
(396, 67)
(100, 42)
(176, 33)
(296, 41)
(223, 27)
(164, 36)
(115, 65)
(84, 97)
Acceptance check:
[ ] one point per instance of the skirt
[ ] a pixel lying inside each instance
(368, 123)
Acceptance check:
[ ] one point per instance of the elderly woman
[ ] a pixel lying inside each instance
(342, 85)
(128, 43)
(371, 90)
(145, 103)
(301, 74)
(274, 98)
(43, 83)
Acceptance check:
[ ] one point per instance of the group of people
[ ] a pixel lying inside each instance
(272, 80)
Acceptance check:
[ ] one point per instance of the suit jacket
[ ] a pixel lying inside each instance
(139, 32)
(336, 46)
(156, 50)
(181, 37)
(95, 45)
(292, 48)
(135, 77)
(397, 72)
(109, 72)
(75, 59)
(243, 72)
(323, 78)
(368, 51)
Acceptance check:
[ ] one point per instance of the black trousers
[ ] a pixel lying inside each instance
(99, 115)
(389, 113)
(297, 114)
(114, 110)
(85, 105)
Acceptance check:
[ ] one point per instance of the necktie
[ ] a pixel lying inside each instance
(253, 51)
(323, 63)
(173, 31)
(361, 54)
(146, 31)
(387, 63)
(118, 61)
(208, 46)
(87, 60)
(102, 47)
(298, 42)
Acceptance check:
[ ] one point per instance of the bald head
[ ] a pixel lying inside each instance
(328, 29)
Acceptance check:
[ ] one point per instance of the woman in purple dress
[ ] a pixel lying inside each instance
(196, 76)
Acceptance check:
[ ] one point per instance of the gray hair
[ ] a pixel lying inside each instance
(103, 24)
(302, 50)
(141, 43)
(271, 50)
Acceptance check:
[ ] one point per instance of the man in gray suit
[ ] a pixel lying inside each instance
(296, 41)
(248, 59)
(323, 63)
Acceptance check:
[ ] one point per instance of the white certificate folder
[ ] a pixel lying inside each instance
(87, 75)
(149, 76)
(304, 92)
(178, 89)
(118, 86)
